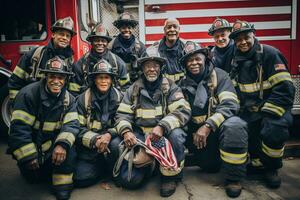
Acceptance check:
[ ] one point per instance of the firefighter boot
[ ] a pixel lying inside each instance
(233, 188)
(63, 192)
(167, 188)
(272, 179)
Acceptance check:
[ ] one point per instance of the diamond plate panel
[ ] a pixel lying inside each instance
(296, 81)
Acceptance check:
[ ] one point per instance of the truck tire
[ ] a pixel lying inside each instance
(5, 110)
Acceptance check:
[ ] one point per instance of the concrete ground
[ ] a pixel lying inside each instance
(196, 185)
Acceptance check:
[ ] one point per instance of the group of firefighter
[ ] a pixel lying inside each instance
(74, 123)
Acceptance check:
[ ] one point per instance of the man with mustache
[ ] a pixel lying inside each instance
(126, 45)
(266, 94)
(96, 107)
(43, 129)
(153, 106)
(27, 69)
(99, 39)
(217, 138)
(171, 48)
(224, 47)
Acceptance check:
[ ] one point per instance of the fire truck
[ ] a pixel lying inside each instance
(26, 24)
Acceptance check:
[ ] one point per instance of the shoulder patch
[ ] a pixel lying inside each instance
(279, 67)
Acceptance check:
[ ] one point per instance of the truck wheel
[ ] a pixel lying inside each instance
(5, 110)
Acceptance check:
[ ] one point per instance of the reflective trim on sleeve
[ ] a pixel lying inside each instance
(175, 77)
(123, 124)
(254, 87)
(96, 125)
(274, 153)
(199, 119)
(25, 151)
(62, 179)
(279, 77)
(19, 72)
(13, 94)
(74, 87)
(46, 146)
(181, 102)
(66, 136)
(172, 121)
(146, 130)
(273, 108)
(123, 81)
(70, 117)
(233, 158)
(82, 119)
(87, 137)
(227, 95)
(235, 84)
(168, 172)
(149, 113)
(125, 108)
(23, 116)
(217, 118)
(48, 126)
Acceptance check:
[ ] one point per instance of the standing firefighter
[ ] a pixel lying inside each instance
(155, 106)
(126, 45)
(266, 92)
(96, 107)
(224, 46)
(216, 135)
(43, 129)
(28, 67)
(99, 39)
(171, 48)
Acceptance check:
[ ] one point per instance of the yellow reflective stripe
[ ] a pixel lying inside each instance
(123, 124)
(96, 125)
(254, 87)
(279, 77)
(235, 84)
(125, 108)
(199, 119)
(62, 179)
(233, 158)
(271, 107)
(227, 95)
(66, 136)
(46, 145)
(124, 81)
(25, 151)
(175, 77)
(82, 119)
(274, 153)
(23, 116)
(87, 137)
(48, 126)
(21, 73)
(74, 87)
(146, 130)
(181, 102)
(168, 172)
(217, 118)
(172, 121)
(149, 113)
(70, 117)
(13, 93)
(256, 162)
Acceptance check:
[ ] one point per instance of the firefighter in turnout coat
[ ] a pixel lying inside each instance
(153, 105)
(96, 107)
(28, 67)
(266, 94)
(216, 135)
(126, 45)
(99, 39)
(43, 129)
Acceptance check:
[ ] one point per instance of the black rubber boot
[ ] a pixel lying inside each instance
(62, 192)
(272, 179)
(233, 188)
(167, 188)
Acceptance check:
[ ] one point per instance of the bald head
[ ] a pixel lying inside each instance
(171, 30)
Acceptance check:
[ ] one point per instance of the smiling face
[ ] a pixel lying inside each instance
(99, 44)
(195, 63)
(126, 31)
(221, 38)
(244, 41)
(55, 82)
(171, 30)
(151, 70)
(61, 38)
(103, 82)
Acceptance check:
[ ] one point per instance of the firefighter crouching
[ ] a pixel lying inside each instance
(96, 109)
(215, 135)
(266, 94)
(153, 105)
(27, 69)
(43, 129)
(126, 45)
(99, 39)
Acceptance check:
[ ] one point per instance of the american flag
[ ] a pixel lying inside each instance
(273, 19)
(162, 151)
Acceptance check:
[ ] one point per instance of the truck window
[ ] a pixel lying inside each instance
(22, 20)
